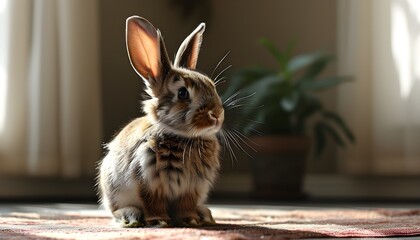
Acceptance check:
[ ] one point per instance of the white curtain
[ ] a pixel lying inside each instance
(379, 45)
(49, 88)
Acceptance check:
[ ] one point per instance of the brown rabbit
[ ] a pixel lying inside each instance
(160, 167)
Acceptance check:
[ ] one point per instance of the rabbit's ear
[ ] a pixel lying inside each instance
(188, 51)
(146, 49)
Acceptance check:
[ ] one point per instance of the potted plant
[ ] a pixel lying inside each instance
(290, 119)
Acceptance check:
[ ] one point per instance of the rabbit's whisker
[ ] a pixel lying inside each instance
(219, 81)
(244, 139)
(226, 68)
(236, 143)
(221, 60)
(235, 101)
(233, 137)
(228, 146)
(229, 99)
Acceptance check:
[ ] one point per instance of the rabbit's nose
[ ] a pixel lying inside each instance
(217, 118)
(212, 115)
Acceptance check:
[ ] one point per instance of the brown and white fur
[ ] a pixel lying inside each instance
(160, 167)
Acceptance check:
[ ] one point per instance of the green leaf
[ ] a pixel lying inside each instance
(331, 131)
(301, 61)
(289, 103)
(262, 87)
(279, 56)
(340, 123)
(317, 67)
(321, 130)
(323, 84)
(289, 49)
(310, 106)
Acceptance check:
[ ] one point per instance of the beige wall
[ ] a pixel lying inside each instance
(234, 25)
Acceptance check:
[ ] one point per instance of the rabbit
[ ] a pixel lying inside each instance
(159, 168)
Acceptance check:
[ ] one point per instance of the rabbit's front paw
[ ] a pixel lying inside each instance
(159, 222)
(188, 219)
(205, 216)
(189, 222)
(129, 217)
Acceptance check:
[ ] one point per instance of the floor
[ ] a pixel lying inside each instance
(314, 205)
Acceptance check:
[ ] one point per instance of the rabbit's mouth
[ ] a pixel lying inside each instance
(203, 123)
(212, 123)
(216, 118)
(210, 120)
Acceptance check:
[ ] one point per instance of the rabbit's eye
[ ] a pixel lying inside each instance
(183, 93)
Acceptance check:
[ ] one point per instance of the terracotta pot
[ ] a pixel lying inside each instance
(279, 166)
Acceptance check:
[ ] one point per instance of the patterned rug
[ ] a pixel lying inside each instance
(70, 222)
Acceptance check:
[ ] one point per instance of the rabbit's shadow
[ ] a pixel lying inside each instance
(255, 230)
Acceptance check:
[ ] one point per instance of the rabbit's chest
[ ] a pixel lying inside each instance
(175, 165)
